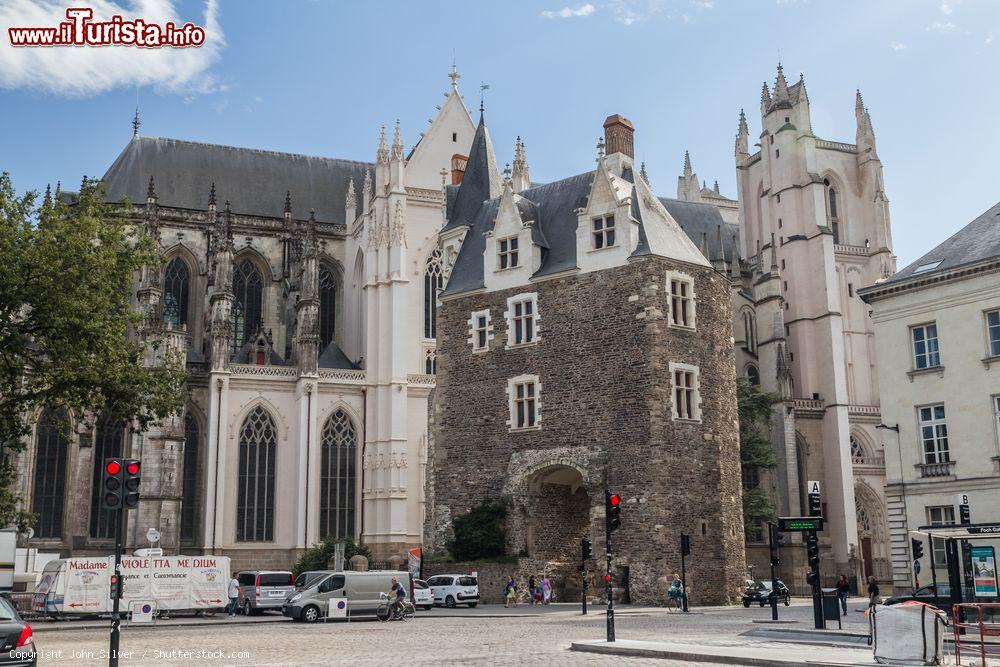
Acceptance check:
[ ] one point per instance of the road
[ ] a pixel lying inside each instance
(487, 635)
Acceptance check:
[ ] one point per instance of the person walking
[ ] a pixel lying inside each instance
(510, 592)
(546, 589)
(234, 595)
(843, 588)
(873, 593)
(531, 589)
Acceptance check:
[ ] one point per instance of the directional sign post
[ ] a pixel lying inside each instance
(812, 544)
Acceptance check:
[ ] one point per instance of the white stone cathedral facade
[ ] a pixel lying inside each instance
(303, 293)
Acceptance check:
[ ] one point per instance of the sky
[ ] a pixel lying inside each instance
(318, 77)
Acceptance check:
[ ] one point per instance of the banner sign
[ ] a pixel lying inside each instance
(87, 584)
(984, 571)
(415, 561)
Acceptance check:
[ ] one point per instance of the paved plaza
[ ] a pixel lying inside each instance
(487, 635)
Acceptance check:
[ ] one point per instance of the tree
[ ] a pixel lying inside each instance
(68, 323)
(480, 533)
(317, 557)
(756, 454)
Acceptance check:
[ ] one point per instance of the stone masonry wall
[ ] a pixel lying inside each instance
(605, 402)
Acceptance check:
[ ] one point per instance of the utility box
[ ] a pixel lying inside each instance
(910, 633)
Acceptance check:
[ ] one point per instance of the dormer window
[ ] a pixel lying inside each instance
(507, 253)
(604, 232)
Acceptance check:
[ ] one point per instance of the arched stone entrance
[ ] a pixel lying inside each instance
(556, 513)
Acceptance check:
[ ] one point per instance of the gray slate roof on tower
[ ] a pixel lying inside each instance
(480, 182)
(254, 181)
(976, 242)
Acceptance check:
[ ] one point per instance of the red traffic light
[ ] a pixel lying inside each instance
(607, 578)
(616, 500)
(132, 468)
(112, 467)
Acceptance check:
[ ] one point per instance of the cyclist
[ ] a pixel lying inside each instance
(396, 606)
(676, 591)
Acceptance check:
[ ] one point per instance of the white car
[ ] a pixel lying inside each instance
(451, 590)
(422, 595)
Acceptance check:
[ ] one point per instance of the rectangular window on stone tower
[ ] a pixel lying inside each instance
(925, 346)
(480, 330)
(507, 253)
(685, 396)
(993, 332)
(604, 232)
(680, 289)
(522, 319)
(524, 402)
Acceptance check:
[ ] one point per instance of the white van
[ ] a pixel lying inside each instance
(454, 589)
(362, 590)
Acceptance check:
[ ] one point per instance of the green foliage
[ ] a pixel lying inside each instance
(318, 556)
(756, 454)
(67, 320)
(481, 533)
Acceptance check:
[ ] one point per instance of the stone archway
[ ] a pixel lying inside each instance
(556, 514)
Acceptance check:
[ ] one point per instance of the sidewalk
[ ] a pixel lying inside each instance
(773, 655)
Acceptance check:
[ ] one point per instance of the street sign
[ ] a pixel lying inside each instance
(796, 524)
(815, 499)
(916, 567)
(964, 507)
(337, 608)
(152, 536)
(142, 612)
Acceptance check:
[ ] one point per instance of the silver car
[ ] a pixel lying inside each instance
(264, 589)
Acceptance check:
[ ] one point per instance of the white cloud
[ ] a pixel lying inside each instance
(989, 39)
(569, 12)
(80, 71)
(629, 12)
(703, 4)
(942, 27)
(948, 6)
(898, 46)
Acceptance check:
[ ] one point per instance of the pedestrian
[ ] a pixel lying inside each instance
(842, 590)
(510, 592)
(234, 595)
(873, 593)
(546, 589)
(531, 589)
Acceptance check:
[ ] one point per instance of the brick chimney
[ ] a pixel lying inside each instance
(618, 131)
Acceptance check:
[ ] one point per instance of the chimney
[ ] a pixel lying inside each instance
(618, 131)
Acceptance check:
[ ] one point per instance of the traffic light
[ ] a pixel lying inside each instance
(132, 470)
(685, 544)
(918, 547)
(585, 549)
(111, 484)
(812, 548)
(117, 591)
(812, 578)
(613, 510)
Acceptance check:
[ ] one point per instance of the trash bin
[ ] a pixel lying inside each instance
(831, 607)
(908, 633)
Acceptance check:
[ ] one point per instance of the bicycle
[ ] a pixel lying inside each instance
(675, 600)
(403, 612)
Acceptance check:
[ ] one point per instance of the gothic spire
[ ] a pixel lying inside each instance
(521, 180)
(687, 164)
(734, 262)
(774, 256)
(765, 99)
(704, 244)
(151, 190)
(211, 195)
(642, 172)
(382, 154)
(743, 136)
(721, 259)
(397, 143)
(803, 95)
(351, 200)
(715, 188)
(781, 97)
(312, 245)
(288, 202)
(481, 180)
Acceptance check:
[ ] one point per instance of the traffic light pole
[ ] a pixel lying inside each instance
(116, 601)
(772, 535)
(817, 589)
(684, 549)
(609, 587)
(584, 571)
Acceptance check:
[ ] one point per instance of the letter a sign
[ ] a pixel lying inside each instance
(815, 504)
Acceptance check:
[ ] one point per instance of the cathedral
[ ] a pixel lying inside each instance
(812, 229)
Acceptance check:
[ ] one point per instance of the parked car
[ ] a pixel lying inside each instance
(263, 589)
(18, 643)
(361, 589)
(422, 595)
(935, 595)
(760, 593)
(454, 589)
(307, 579)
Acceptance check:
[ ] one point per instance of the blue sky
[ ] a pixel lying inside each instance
(318, 77)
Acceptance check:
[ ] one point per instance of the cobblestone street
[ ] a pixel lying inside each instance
(488, 635)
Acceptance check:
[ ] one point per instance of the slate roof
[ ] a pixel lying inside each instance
(697, 218)
(480, 182)
(334, 357)
(253, 181)
(977, 241)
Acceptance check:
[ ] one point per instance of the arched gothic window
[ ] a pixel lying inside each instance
(834, 219)
(255, 489)
(51, 450)
(109, 442)
(338, 477)
(433, 284)
(750, 331)
(858, 453)
(176, 285)
(189, 488)
(327, 307)
(753, 375)
(248, 289)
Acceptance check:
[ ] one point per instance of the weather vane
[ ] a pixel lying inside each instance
(483, 87)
